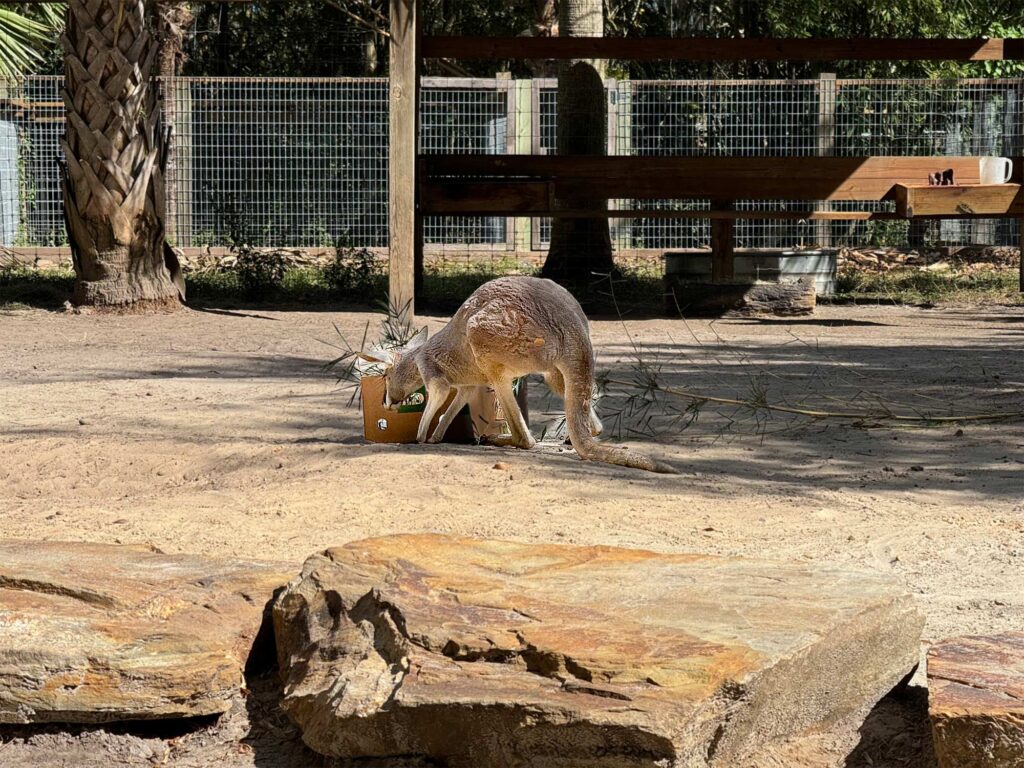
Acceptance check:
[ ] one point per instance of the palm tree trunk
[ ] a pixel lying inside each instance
(580, 248)
(115, 153)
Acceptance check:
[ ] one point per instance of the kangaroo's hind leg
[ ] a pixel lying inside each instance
(521, 437)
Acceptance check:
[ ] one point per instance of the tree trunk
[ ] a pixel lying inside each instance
(544, 18)
(545, 24)
(580, 248)
(173, 16)
(115, 154)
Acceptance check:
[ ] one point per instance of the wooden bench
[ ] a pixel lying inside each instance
(518, 185)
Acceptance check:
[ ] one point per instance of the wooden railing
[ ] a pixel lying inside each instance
(526, 185)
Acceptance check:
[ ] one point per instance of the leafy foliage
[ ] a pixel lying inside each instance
(348, 37)
(260, 272)
(28, 37)
(821, 18)
(354, 273)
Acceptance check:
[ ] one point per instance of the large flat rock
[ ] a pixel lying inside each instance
(976, 701)
(91, 633)
(492, 653)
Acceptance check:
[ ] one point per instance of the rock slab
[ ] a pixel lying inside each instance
(976, 701)
(493, 653)
(93, 633)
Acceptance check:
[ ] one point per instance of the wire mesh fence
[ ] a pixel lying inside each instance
(302, 162)
(31, 124)
(467, 116)
(279, 162)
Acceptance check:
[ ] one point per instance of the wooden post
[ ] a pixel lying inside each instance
(826, 142)
(522, 119)
(723, 242)
(405, 225)
(507, 84)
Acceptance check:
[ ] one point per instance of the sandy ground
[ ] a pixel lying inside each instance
(218, 432)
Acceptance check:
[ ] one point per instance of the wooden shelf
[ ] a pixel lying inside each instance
(960, 201)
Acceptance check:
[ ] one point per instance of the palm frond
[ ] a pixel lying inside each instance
(22, 37)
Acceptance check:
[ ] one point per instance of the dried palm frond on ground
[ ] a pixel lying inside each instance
(968, 258)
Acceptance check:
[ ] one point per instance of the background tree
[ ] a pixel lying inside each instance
(815, 18)
(334, 37)
(348, 37)
(115, 152)
(580, 247)
(173, 18)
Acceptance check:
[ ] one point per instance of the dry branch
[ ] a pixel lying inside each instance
(878, 416)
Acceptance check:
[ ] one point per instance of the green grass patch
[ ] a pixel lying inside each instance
(213, 286)
(447, 284)
(25, 287)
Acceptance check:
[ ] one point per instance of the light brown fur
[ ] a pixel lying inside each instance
(508, 328)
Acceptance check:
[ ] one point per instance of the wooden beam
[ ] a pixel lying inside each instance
(982, 200)
(404, 222)
(530, 198)
(494, 198)
(717, 178)
(722, 49)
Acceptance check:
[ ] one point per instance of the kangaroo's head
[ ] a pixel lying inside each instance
(401, 372)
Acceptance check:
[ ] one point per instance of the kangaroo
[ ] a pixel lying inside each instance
(508, 328)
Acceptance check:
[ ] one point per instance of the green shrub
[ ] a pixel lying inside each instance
(354, 273)
(260, 273)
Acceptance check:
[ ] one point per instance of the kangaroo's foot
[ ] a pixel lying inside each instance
(509, 441)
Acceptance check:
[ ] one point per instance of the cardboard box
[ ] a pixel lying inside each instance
(477, 420)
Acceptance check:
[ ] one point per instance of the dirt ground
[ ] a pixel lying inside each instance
(218, 432)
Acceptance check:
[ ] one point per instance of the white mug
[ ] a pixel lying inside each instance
(994, 170)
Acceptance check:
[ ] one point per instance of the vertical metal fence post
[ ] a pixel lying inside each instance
(1018, 163)
(827, 91)
(180, 174)
(985, 142)
(611, 89)
(535, 149)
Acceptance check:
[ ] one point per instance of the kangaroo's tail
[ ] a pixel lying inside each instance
(578, 395)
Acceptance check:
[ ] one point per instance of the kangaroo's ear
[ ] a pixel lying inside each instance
(418, 339)
(375, 355)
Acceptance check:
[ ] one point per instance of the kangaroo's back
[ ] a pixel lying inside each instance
(534, 300)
